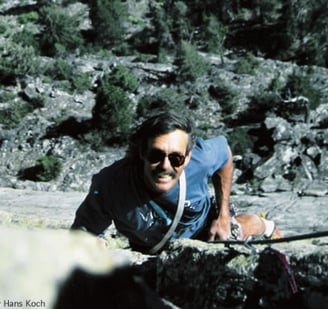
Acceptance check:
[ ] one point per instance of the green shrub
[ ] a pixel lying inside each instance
(113, 112)
(260, 105)
(60, 32)
(49, 168)
(162, 56)
(226, 97)
(63, 71)
(179, 23)
(26, 38)
(108, 19)
(46, 168)
(191, 64)
(13, 115)
(301, 85)
(241, 141)
(16, 61)
(121, 77)
(214, 35)
(80, 82)
(30, 17)
(247, 64)
(166, 99)
(60, 70)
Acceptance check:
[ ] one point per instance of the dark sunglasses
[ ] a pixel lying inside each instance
(155, 155)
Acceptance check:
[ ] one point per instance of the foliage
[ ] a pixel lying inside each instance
(166, 99)
(15, 61)
(121, 77)
(26, 38)
(60, 69)
(29, 17)
(46, 168)
(247, 64)
(241, 141)
(108, 19)
(16, 111)
(113, 112)
(80, 82)
(49, 168)
(226, 96)
(60, 32)
(180, 24)
(170, 24)
(214, 34)
(281, 98)
(299, 84)
(307, 26)
(161, 28)
(191, 64)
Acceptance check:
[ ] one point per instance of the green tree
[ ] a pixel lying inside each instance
(191, 64)
(60, 32)
(16, 61)
(113, 113)
(214, 35)
(121, 77)
(165, 99)
(108, 19)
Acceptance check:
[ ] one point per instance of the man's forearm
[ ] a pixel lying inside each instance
(222, 182)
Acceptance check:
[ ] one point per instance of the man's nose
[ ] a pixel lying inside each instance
(165, 163)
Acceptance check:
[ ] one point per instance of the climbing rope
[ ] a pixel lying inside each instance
(272, 241)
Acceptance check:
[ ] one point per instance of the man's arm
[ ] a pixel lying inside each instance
(91, 215)
(222, 182)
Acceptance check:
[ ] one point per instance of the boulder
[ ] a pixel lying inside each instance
(34, 263)
(194, 274)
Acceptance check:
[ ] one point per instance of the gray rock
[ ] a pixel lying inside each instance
(193, 274)
(40, 260)
(35, 263)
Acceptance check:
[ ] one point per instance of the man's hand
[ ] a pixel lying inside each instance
(220, 228)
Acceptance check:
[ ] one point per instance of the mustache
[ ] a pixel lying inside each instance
(163, 173)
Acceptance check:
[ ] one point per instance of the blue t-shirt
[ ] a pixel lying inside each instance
(117, 194)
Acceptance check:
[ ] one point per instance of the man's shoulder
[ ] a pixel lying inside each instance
(210, 143)
(209, 154)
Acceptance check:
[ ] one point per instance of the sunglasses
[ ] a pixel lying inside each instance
(155, 155)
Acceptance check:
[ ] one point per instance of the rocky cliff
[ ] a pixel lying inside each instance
(279, 139)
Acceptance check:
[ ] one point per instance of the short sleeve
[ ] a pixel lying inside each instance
(214, 152)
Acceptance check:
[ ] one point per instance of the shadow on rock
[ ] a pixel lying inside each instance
(122, 288)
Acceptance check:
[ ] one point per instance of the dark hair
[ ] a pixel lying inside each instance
(159, 124)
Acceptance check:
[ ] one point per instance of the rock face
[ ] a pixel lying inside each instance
(196, 275)
(41, 262)
(60, 269)
(35, 263)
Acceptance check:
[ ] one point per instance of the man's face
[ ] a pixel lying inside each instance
(162, 160)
